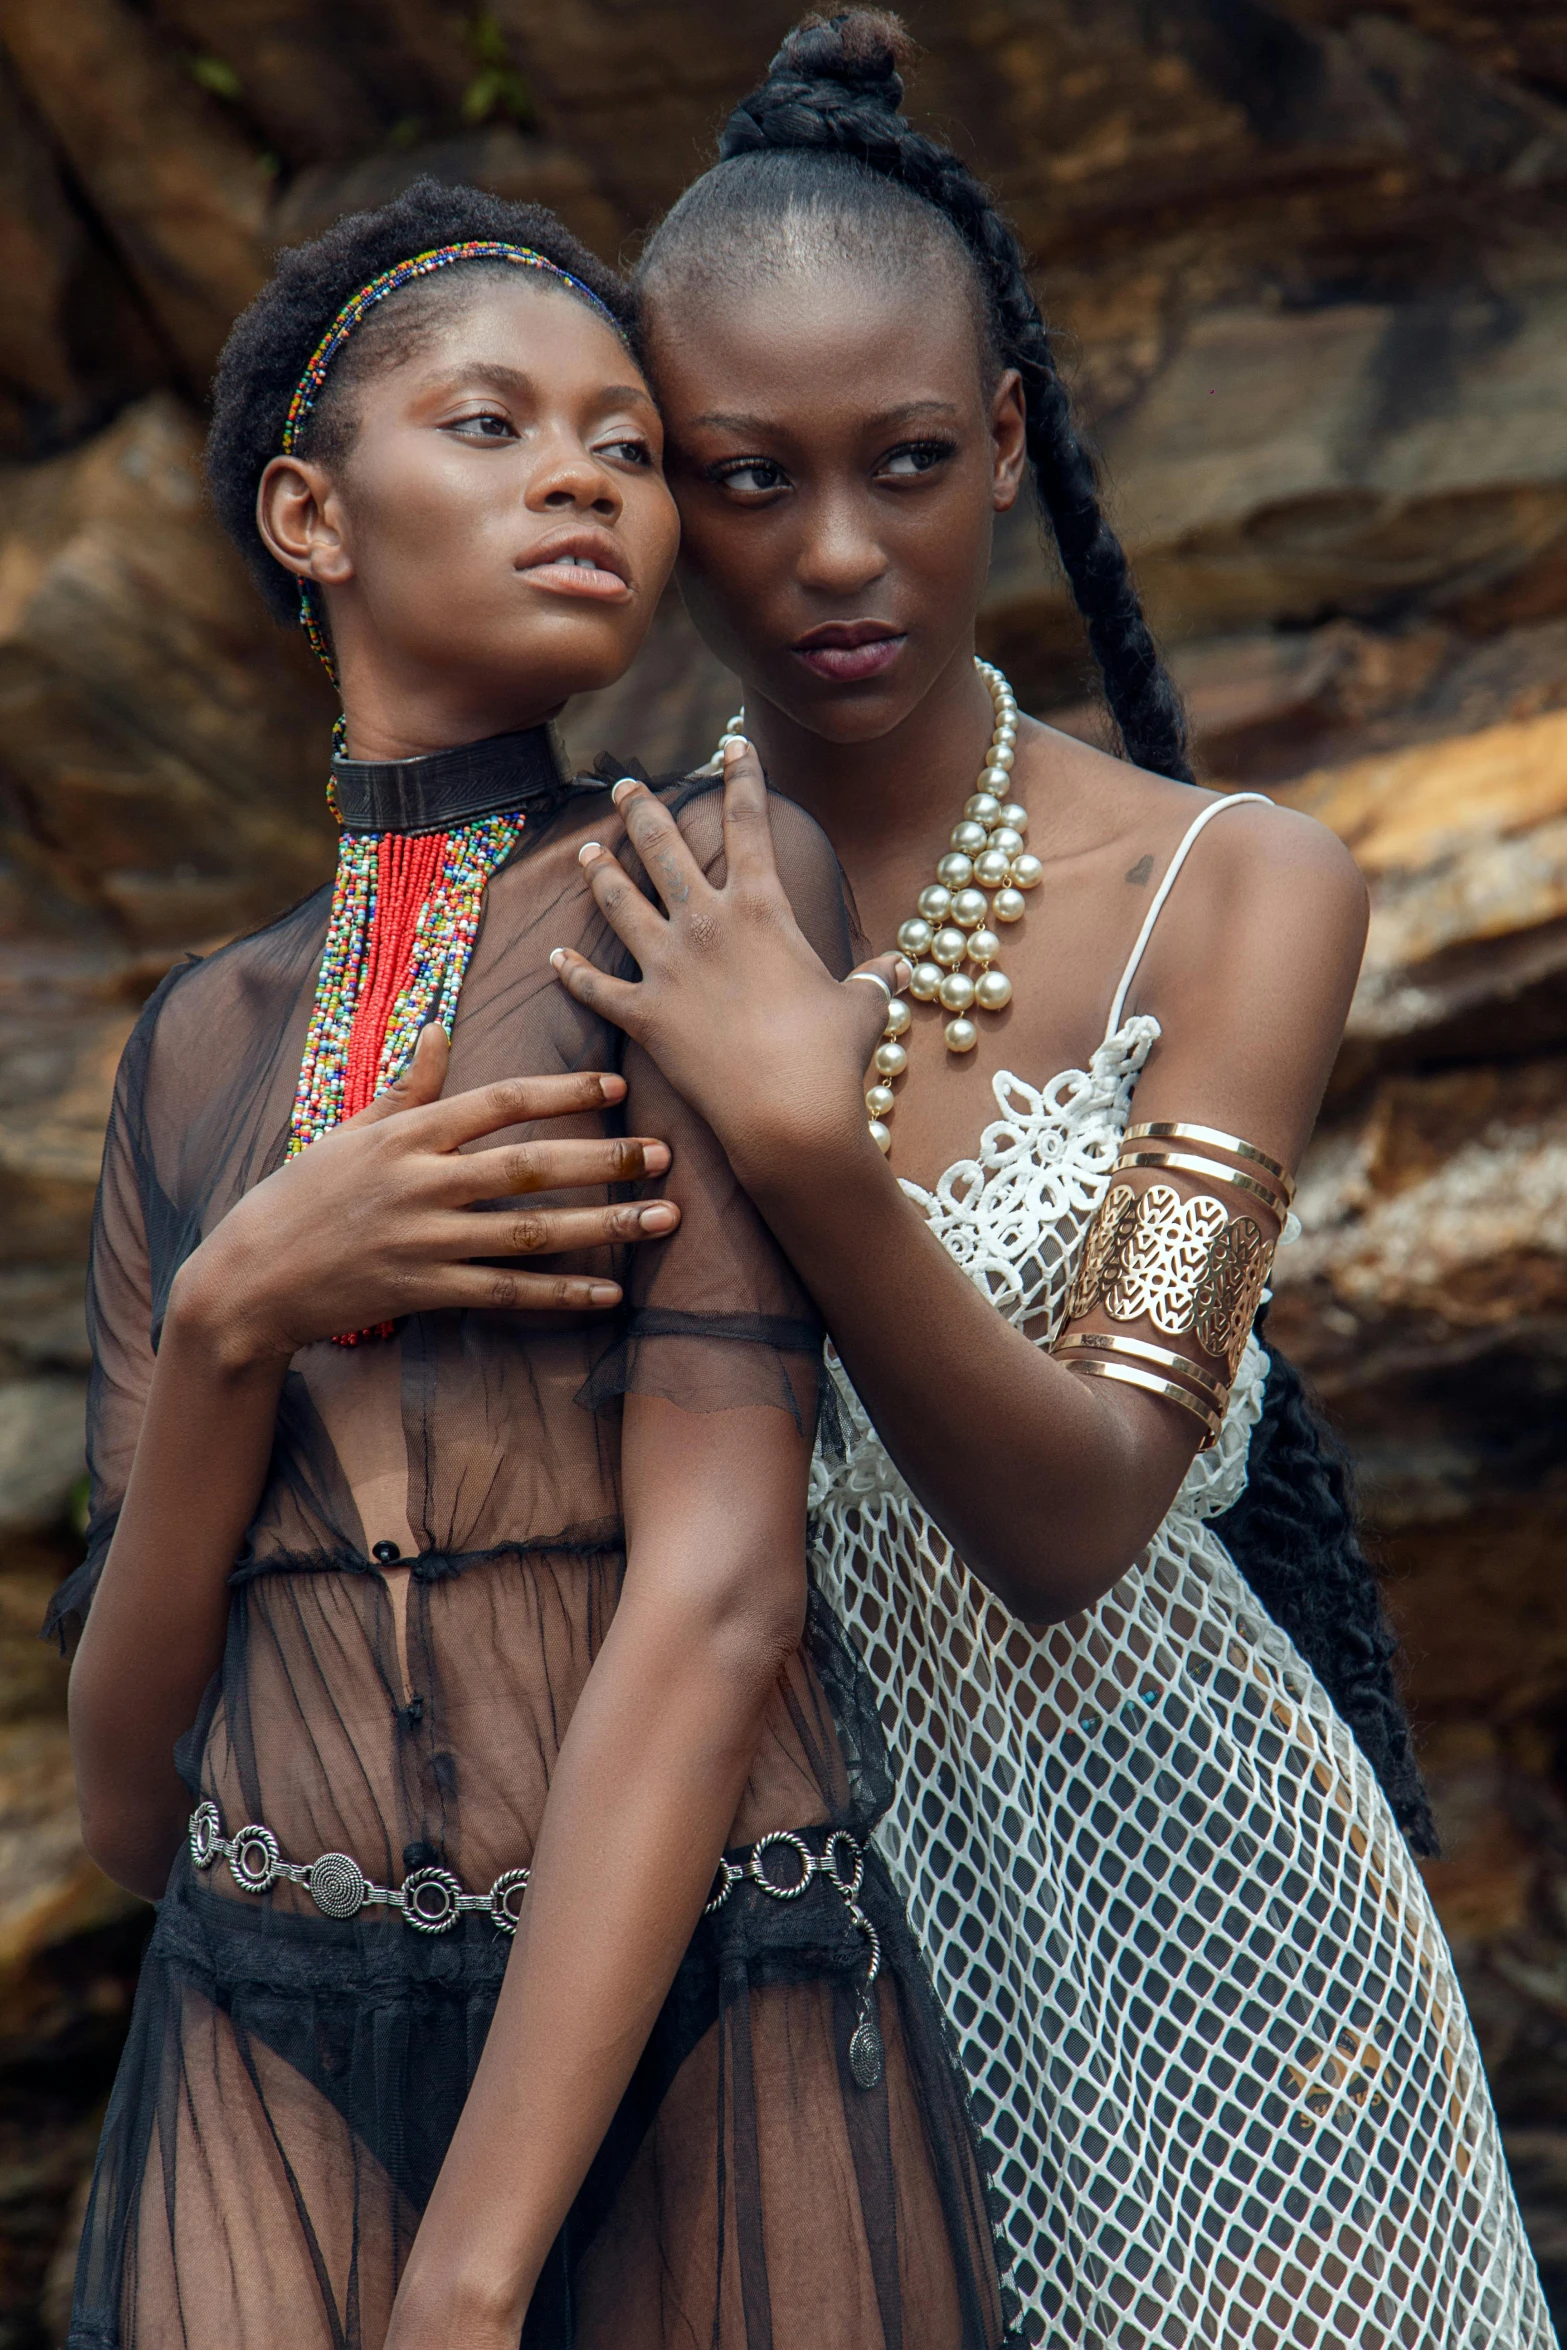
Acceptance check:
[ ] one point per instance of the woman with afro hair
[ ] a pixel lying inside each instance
(1155, 1795)
(522, 1969)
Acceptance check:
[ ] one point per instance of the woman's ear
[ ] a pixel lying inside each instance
(1009, 440)
(300, 522)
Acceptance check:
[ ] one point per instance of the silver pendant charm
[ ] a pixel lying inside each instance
(866, 2057)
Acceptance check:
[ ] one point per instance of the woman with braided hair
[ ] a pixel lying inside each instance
(1155, 1795)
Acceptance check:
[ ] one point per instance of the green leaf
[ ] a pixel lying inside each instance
(486, 41)
(497, 88)
(216, 75)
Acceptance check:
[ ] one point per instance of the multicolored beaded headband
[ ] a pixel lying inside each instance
(309, 386)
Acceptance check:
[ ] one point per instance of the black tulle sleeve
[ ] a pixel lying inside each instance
(716, 1317)
(119, 1327)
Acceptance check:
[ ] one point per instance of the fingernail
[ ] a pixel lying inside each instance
(557, 957)
(655, 1158)
(589, 848)
(902, 973)
(603, 1293)
(660, 1217)
(626, 783)
(611, 1088)
(735, 743)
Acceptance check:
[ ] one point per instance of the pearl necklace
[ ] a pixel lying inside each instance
(955, 918)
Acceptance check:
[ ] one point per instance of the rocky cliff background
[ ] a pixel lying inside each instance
(1309, 264)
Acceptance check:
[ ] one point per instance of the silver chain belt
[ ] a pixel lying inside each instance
(865, 2047)
(431, 1899)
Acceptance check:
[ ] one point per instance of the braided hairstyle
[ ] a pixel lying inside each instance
(1293, 1536)
(271, 342)
(823, 137)
(820, 163)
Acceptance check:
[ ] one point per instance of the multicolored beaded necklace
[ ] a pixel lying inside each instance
(406, 906)
(405, 914)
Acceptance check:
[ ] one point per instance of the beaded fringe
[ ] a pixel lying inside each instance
(405, 915)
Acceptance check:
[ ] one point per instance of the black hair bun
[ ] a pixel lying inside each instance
(828, 67)
(863, 49)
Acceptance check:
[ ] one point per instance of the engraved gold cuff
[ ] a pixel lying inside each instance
(1083, 1343)
(1184, 1264)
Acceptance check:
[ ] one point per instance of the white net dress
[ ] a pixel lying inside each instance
(1211, 2026)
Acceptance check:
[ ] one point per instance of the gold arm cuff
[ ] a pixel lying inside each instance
(1110, 1224)
(1170, 1130)
(1214, 1392)
(1128, 1375)
(1182, 1264)
(1212, 1171)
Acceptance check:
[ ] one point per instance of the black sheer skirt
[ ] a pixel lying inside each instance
(292, 2079)
(292, 2082)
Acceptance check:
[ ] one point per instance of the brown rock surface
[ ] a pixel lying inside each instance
(179, 189)
(511, 163)
(160, 739)
(75, 342)
(1307, 258)
(1433, 1221)
(1465, 845)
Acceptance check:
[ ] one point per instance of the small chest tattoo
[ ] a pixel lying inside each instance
(1140, 874)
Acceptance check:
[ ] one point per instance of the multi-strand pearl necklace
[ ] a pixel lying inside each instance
(955, 922)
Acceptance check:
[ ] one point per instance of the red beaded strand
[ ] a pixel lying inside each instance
(405, 916)
(408, 866)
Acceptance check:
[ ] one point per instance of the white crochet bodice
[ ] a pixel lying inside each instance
(1212, 2032)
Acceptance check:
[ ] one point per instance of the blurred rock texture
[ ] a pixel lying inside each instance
(1309, 264)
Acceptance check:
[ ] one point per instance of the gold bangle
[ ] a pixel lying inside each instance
(1128, 1375)
(1163, 1358)
(1170, 1130)
(1182, 1163)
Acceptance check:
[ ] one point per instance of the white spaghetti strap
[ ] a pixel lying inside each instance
(1205, 816)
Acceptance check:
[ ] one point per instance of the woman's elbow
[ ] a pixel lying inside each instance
(131, 1827)
(118, 1842)
(1048, 1574)
(741, 1622)
(752, 1635)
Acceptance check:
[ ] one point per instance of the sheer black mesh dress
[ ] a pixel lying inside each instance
(292, 2079)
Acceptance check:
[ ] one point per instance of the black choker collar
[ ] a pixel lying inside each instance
(447, 788)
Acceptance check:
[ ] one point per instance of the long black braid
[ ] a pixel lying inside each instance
(823, 135)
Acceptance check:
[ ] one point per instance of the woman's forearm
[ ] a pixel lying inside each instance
(154, 1637)
(649, 1779)
(1045, 1484)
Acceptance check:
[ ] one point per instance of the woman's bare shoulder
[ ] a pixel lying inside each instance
(1261, 863)
(1255, 849)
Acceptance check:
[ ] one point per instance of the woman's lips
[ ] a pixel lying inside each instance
(571, 577)
(850, 663)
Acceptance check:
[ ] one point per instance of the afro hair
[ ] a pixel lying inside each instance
(272, 342)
